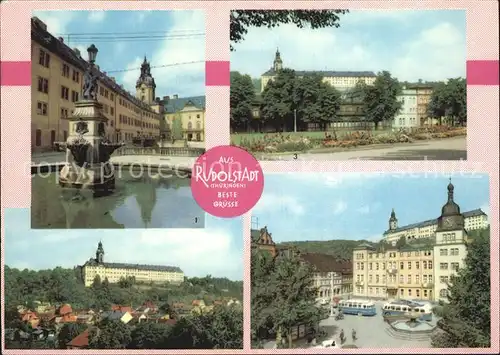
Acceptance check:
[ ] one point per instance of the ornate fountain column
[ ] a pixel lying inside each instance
(88, 149)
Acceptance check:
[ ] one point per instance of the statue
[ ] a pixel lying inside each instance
(89, 91)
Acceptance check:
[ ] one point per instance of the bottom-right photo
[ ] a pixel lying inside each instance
(371, 260)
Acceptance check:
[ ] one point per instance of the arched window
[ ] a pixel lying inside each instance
(198, 125)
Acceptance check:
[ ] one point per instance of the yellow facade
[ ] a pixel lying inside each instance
(393, 273)
(115, 274)
(57, 79)
(474, 220)
(191, 114)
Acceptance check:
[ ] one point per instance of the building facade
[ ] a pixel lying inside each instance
(473, 220)
(341, 80)
(423, 266)
(113, 272)
(57, 79)
(186, 116)
(394, 273)
(407, 115)
(424, 93)
(450, 248)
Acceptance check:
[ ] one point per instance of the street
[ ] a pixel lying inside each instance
(445, 149)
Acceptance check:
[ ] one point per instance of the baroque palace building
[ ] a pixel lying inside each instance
(341, 80)
(57, 79)
(113, 272)
(420, 268)
(332, 276)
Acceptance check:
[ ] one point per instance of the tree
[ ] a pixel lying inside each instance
(401, 242)
(148, 335)
(111, 334)
(466, 318)
(316, 101)
(381, 99)
(278, 101)
(68, 332)
(241, 20)
(177, 131)
(449, 100)
(283, 295)
(242, 98)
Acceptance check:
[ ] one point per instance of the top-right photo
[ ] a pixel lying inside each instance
(349, 84)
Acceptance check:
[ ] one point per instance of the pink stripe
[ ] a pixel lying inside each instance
(482, 72)
(15, 73)
(217, 73)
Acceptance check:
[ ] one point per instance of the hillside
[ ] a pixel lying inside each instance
(341, 248)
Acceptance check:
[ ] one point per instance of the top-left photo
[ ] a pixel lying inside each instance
(117, 118)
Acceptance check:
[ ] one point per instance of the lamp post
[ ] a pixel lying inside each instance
(92, 51)
(295, 120)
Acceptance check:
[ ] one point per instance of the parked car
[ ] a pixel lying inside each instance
(327, 344)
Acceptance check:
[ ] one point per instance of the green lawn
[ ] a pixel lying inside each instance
(237, 137)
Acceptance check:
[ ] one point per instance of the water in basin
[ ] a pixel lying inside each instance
(147, 201)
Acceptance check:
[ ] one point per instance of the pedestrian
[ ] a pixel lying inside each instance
(353, 335)
(342, 336)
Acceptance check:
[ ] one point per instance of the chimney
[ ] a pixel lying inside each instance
(176, 96)
(60, 39)
(77, 51)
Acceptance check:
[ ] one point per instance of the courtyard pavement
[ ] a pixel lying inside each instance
(444, 149)
(370, 332)
(182, 163)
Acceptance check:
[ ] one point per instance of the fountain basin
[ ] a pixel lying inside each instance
(411, 330)
(139, 199)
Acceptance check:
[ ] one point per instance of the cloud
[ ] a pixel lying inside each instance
(368, 208)
(184, 80)
(339, 207)
(197, 252)
(409, 44)
(288, 205)
(97, 16)
(437, 53)
(56, 21)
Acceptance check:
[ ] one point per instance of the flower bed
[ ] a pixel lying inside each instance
(280, 143)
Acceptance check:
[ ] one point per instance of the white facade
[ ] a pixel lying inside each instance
(449, 254)
(407, 116)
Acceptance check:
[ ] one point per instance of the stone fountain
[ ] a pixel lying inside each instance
(87, 149)
(411, 328)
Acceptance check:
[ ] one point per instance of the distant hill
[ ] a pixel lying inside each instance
(341, 248)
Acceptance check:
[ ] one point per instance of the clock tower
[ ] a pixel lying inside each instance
(393, 221)
(450, 245)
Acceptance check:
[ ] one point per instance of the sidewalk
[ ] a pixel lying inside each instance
(182, 163)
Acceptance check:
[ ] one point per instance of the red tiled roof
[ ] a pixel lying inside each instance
(80, 341)
(326, 263)
(64, 309)
(167, 321)
(121, 308)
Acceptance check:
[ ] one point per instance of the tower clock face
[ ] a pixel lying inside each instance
(448, 222)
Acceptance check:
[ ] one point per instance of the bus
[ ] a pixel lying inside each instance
(402, 307)
(358, 307)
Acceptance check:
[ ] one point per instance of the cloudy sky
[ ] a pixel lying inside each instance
(216, 250)
(173, 37)
(325, 206)
(428, 45)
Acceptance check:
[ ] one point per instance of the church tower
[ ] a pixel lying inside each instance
(450, 246)
(278, 63)
(99, 254)
(393, 221)
(145, 86)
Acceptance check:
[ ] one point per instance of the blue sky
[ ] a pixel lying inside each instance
(427, 44)
(216, 250)
(179, 38)
(326, 206)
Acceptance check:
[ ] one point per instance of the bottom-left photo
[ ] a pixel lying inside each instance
(122, 289)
